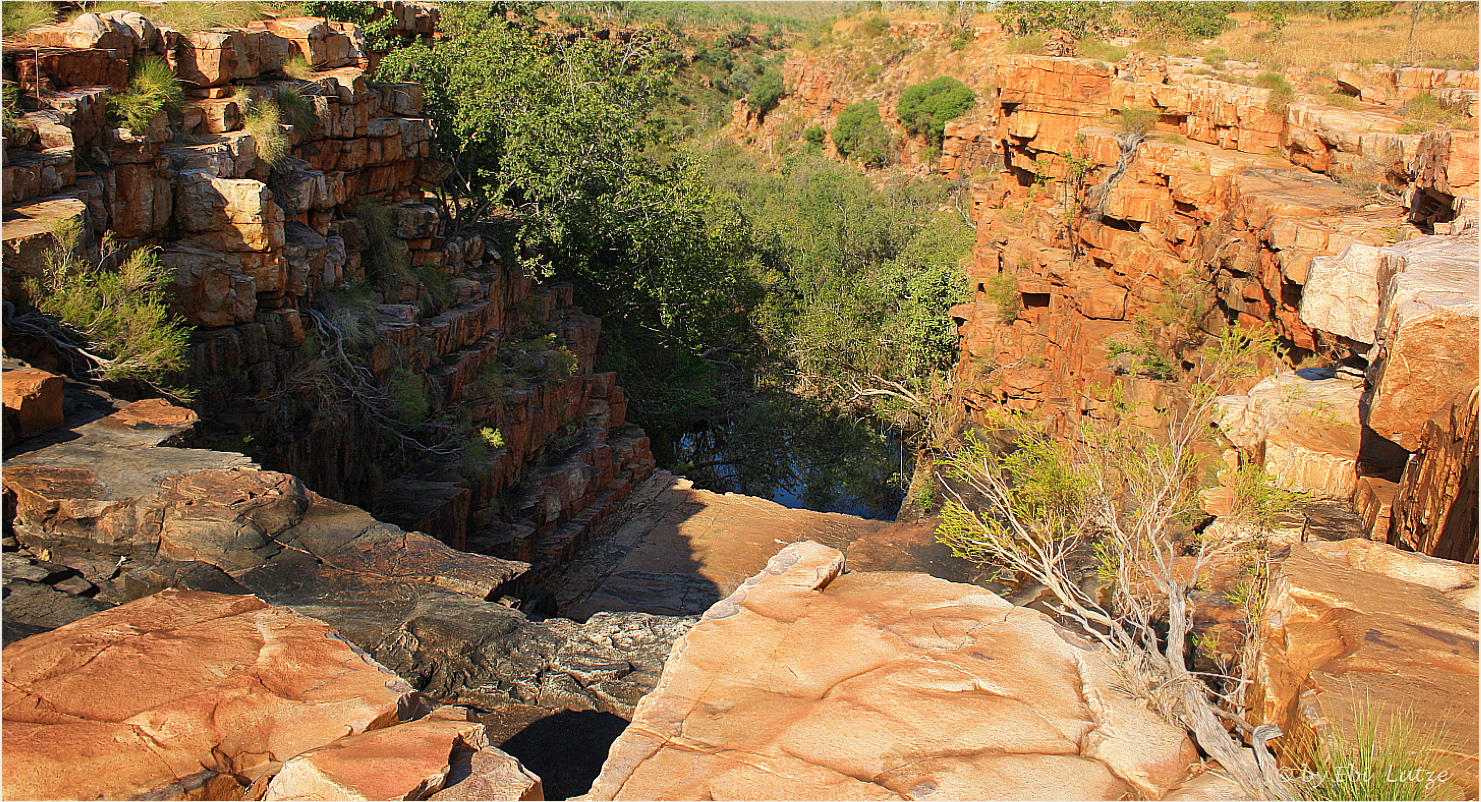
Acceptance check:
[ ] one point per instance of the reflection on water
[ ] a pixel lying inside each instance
(800, 454)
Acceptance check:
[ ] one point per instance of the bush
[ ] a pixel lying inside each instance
(1181, 19)
(1133, 121)
(120, 315)
(1281, 91)
(388, 262)
(298, 68)
(1079, 19)
(767, 91)
(874, 27)
(22, 15)
(296, 107)
(153, 87)
(186, 17)
(860, 133)
(925, 108)
(262, 120)
(1091, 47)
(1002, 290)
(410, 402)
(813, 135)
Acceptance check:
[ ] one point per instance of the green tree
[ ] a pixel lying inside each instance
(859, 132)
(1182, 19)
(767, 91)
(1079, 19)
(926, 107)
(562, 135)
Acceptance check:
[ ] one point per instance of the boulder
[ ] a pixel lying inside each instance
(182, 691)
(1354, 626)
(804, 684)
(1302, 427)
(33, 401)
(1427, 334)
(409, 761)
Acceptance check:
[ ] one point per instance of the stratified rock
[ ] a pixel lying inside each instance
(1434, 511)
(410, 761)
(804, 684)
(1355, 625)
(1427, 333)
(1302, 427)
(33, 401)
(163, 695)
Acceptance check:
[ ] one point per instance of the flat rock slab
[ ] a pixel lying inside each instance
(1356, 625)
(686, 549)
(804, 684)
(171, 692)
(409, 761)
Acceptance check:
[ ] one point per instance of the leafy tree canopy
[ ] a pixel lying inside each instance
(925, 107)
(860, 133)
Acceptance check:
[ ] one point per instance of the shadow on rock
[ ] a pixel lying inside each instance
(566, 749)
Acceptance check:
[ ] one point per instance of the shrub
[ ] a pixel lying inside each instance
(1341, 101)
(813, 135)
(298, 68)
(1281, 92)
(119, 315)
(1079, 19)
(860, 133)
(186, 17)
(388, 262)
(767, 91)
(296, 107)
(153, 87)
(1425, 108)
(925, 108)
(1181, 19)
(1351, 9)
(410, 402)
(262, 120)
(874, 27)
(1091, 47)
(1133, 121)
(1002, 290)
(22, 15)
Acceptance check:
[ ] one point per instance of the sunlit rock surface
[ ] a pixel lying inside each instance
(804, 684)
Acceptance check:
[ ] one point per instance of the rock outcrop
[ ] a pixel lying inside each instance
(1356, 626)
(179, 692)
(808, 684)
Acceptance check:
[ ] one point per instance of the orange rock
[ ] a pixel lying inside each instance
(33, 401)
(164, 694)
(804, 684)
(409, 761)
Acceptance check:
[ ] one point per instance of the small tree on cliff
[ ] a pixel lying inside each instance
(110, 324)
(925, 108)
(1127, 495)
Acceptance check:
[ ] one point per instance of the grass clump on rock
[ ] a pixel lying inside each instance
(153, 87)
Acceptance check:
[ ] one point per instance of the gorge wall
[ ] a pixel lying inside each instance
(337, 247)
(1124, 211)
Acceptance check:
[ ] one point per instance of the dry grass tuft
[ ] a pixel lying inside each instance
(1317, 43)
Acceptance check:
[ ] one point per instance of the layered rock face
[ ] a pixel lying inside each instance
(107, 510)
(1226, 211)
(276, 265)
(808, 684)
(1357, 630)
